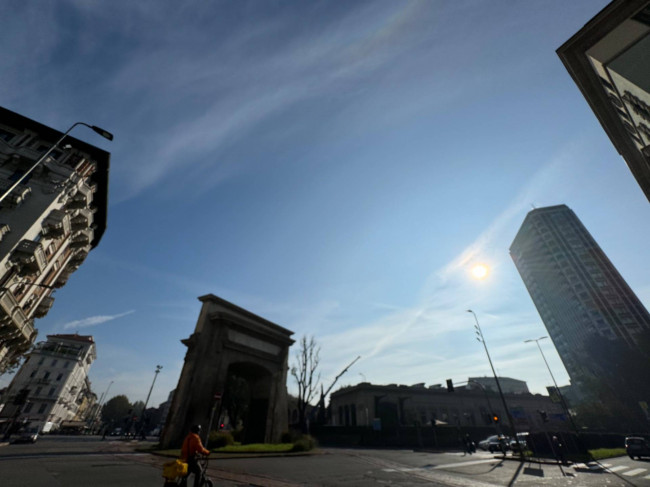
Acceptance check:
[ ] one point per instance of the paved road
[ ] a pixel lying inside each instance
(70, 461)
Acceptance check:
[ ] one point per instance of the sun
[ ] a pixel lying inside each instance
(480, 271)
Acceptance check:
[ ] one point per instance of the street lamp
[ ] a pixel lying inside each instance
(158, 368)
(564, 404)
(480, 338)
(104, 133)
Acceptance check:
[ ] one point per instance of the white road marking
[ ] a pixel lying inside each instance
(465, 464)
(616, 469)
(438, 467)
(634, 472)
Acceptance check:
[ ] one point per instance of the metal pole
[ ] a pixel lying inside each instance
(564, 404)
(496, 378)
(101, 400)
(158, 367)
(100, 131)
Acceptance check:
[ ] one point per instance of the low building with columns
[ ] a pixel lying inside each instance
(389, 406)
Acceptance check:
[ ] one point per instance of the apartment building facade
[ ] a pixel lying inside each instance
(609, 60)
(52, 384)
(48, 223)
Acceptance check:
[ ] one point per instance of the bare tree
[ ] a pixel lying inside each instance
(304, 370)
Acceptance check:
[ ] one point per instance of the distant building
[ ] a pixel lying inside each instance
(508, 385)
(609, 60)
(48, 224)
(394, 405)
(593, 317)
(55, 378)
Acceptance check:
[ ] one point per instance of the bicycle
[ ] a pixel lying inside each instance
(176, 475)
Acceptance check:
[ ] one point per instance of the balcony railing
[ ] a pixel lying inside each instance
(82, 220)
(29, 256)
(82, 238)
(57, 223)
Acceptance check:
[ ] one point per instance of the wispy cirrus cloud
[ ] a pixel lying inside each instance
(94, 320)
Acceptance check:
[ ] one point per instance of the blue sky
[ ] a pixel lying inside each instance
(335, 167)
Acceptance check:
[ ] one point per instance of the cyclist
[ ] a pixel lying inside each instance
(190, 451)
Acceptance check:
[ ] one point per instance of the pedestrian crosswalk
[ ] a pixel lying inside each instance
(606, 467)
(624, 470)
(439, 467)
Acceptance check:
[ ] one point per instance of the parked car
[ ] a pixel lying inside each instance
(523, 442)
(495, 443)
(637, 446)
(27, 436)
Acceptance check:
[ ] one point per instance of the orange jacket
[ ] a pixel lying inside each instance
(191, 446)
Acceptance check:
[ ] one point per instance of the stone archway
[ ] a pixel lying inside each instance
(229, 340)
(247, 391)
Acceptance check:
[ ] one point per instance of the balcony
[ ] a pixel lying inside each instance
(29, 256)
(17, 196)
(10, 311)
(82, 220)
(78, 258)
(56, 224)
(82, 238)
(43, 307)
(62, 280)
(4, 229)
(82, 197)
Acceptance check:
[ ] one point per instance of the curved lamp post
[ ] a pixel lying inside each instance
(480, 338)
(104, 133)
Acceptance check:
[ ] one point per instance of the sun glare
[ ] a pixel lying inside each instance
(480, 271)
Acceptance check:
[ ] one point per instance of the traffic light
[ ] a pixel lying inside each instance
(495, 418)
(450, 386)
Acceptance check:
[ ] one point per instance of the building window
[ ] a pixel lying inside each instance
(41, 410)
(65, 365)
(40, 362)
(31, 376)
(46, 376)
(54, 362)
(38, 391)
(28, 407)
(51, 393)
(59, 377)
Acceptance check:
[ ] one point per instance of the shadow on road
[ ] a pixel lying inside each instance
(516, 474)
